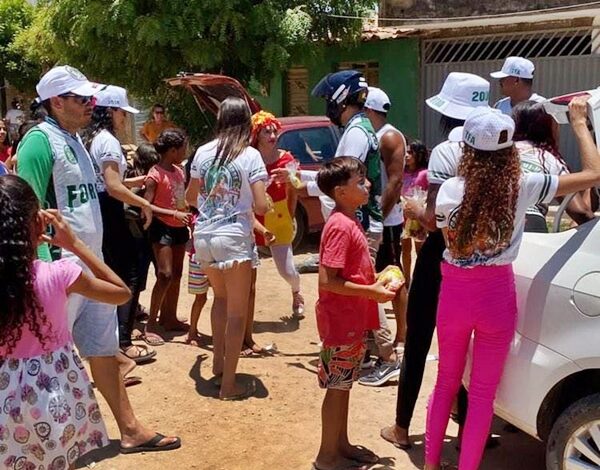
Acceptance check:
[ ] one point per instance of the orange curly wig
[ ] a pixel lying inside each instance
(261, 120)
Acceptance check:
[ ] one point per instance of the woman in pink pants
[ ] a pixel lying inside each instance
(482, 215)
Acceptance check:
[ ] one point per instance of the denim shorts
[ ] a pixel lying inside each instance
(224, 251)
(94, 326)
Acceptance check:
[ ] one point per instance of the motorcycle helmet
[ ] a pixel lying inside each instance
(340, 89)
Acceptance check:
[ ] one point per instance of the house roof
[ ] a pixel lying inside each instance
(524, 21)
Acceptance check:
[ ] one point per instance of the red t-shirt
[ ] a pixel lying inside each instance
(169, 193)
(5, 154)
(343, 319)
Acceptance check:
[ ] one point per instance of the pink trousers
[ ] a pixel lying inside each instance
(478, 302)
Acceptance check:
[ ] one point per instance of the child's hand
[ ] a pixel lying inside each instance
(269, 237)
(183, 217)
(380, 293)
(64, 237)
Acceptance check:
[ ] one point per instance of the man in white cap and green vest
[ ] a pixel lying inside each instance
(516, 83)
(54, 161)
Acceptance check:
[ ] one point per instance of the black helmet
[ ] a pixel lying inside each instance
(339, 90)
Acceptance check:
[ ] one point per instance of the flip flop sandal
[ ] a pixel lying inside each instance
(131, 381)
(249, 352)
(343, 467)
(398, 445)
(366, 453)
(152, 446)
(143, 354)
(250, 389)
(151, 339)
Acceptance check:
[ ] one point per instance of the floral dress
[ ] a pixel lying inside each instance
(49, 416)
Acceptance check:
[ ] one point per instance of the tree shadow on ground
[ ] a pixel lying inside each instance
(208, 387)
(91, 458)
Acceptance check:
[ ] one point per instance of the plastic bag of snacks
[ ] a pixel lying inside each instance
(292, 168)
(392, 278)
(412, 228)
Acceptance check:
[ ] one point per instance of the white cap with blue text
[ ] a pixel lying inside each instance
(515, 67)
(485, 129)
(378, 100)
(115, 97)
(461, 93)
(66, 79)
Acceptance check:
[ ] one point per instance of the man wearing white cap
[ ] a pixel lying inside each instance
(392, 146)
(460, 94)
(54, 161)
(516, 82)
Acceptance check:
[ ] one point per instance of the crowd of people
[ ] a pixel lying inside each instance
(82, 224)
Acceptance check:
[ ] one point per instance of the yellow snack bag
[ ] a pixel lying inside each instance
(392, 278)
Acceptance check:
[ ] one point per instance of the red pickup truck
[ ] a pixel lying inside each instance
(311, 139)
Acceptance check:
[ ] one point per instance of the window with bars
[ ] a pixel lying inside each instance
(370, 70)
(297, 92)
(557, 43)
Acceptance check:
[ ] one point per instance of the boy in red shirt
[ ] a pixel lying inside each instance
(346, 309)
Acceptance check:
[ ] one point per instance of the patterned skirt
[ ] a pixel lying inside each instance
(49, 416)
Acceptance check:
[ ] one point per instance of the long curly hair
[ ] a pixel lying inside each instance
(486, 217)
(18, 221)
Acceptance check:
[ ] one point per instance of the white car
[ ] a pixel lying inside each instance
(551, 383)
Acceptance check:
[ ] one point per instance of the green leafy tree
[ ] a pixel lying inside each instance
(15, 17)
(138, 43)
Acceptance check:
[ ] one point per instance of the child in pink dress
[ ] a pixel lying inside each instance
(49, 416)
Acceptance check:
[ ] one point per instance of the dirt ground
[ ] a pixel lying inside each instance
(279, 428)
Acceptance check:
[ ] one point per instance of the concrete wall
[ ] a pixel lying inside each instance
(399, 76)
(451, 8)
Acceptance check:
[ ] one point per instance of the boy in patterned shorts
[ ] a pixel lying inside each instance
(346, 309)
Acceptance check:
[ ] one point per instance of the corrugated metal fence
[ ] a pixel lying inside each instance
(566, 60)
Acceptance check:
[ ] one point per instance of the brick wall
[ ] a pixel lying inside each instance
(450, 8)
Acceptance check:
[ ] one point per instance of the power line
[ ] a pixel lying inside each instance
(480, 17)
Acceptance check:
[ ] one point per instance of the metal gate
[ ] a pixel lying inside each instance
(566, 60)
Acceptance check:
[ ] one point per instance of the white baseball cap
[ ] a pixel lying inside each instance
(460, 93)
(515, 67)
(378, 100)
(66, 79)
(115, 97)
(483, 130)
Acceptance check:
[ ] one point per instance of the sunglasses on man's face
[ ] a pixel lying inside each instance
(159, 112)
(83, 100)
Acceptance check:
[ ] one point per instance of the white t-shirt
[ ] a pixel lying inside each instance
(15, 116)
(536, 160)
(106, 148)
(225, 198)
(443, 162)
(534, 188)
(505, 105)
(395, 217)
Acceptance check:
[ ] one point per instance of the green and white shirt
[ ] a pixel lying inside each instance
(59, 169)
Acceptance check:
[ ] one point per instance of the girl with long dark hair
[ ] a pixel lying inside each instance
(44, 387)
(109, 119)
(536, 140)
(227, 185)
(482, 215)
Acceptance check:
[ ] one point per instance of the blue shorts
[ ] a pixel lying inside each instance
(94, 326)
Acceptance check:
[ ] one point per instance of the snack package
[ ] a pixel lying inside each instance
(558, 108)
(412, 228)
(392, 278)
(292, 167)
